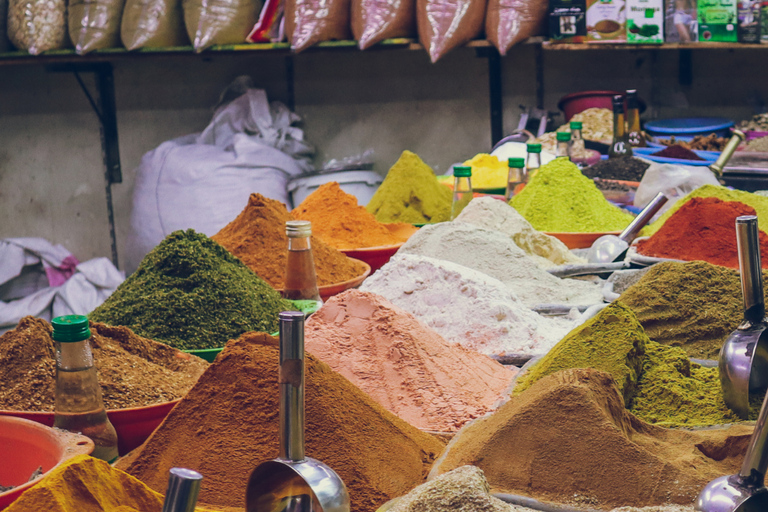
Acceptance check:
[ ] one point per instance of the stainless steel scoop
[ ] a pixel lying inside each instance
(744, 492)
(609, 248)
(293, 482)
(743, 359)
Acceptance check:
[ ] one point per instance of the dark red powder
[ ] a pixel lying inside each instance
(679, 152)
(703, 229)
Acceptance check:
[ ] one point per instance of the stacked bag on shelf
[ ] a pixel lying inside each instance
(441, 25)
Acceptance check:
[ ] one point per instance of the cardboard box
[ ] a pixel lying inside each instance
(567, 21)
(645, 21)
(718, 20)
(606, 21)
(681, 24)
(748, 30)
(764, 21)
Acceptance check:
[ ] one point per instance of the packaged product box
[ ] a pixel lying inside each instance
(645, 21)
(681, 24)
(748, 30)
(718, 20)
(606, 21)
(764, 21)
(567, 21)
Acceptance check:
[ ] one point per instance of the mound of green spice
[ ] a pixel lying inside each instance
(191, 293)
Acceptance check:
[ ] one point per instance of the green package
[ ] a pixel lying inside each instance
(645, 21)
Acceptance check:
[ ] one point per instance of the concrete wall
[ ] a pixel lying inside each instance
(51, 172)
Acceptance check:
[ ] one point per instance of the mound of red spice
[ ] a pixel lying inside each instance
(678, 152)
(703, 229)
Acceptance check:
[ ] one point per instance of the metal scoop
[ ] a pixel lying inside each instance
(293, 482)
(737, 138)
(743, 360)
(744, 492)
(609, 248)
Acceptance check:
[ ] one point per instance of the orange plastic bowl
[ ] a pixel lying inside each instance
(326, 292)
(133, 426)
(376, 257)
(580, 240)
(26, 445)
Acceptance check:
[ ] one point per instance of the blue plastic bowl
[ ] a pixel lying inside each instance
(708, 156)
(686, 128)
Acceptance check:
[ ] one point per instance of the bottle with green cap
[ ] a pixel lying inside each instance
(462, 189)
(563, 143)
(576, 147)
(79, 406)
(533, 159)
(518, 176)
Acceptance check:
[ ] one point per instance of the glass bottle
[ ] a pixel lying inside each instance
(563, 142)
(576, 146)
(462, 189)
(300, 277)
(78, 405)
(634, 133)
(533, 159)
(518, 175)
(619, 146)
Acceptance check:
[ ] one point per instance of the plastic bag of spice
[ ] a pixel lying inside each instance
(445, 24)
(153, 24)
(308, 22)
(95, 24)
(675, 181)
(508, 22)
(213, 22)
(376, 20)
(37, 26)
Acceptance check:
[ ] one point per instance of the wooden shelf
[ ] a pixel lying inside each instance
(552, 46)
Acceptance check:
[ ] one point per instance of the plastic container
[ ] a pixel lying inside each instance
(572, 104)
(580, 240)
(751, 135)
(133, 425)
(26, 445)
(708, 156)
(376, 257)
(686, 128)
(361, 184)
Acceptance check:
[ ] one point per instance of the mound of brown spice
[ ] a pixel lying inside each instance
(228, 424)
(257, 237)
(133, 371)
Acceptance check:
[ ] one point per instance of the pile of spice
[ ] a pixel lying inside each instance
(465, 306)
(411, 193)
(496, 255)
(229, 422)
(559, 198)
(679, 152)
(490, 213)
(597, 125)
(702, 229)
(340, 222)
(758, 123)
(488, 172)
(658, 383)
(759, 203)
(190, 293)
(694, 306)
(759, 144)
(84, 484)
(431, 384)
(627, 168)
(709, 142)
(568, 439)
(133, 371)
(257, 237)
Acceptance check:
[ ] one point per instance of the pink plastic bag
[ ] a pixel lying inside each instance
(308, 22)
(376, 20)
(508, 22)
(446, 24)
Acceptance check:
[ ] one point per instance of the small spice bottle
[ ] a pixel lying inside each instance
(533, 159)
(79, 406)
(462, 189)
(620, 146)
(518, 175)
(563, 143)
(576, 145)
(300, 276)
(635, 135)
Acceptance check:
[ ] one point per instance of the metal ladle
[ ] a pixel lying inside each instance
(609, 248)
(293, 482)
(743, 362)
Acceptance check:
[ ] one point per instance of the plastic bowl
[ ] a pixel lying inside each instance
(647, 153)
(26, 445)
(572, 104)
(133, 425)
(326, 292)
(375, 257)
(752, 134)
(686, 128)
(580, 240)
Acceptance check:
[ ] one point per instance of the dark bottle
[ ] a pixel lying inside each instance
(300, 276)
(634, 133)
(79, 406)
(619, 146)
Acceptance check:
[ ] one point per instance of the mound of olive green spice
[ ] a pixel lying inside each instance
(659, 383)
(411, 193)
(559, 198)
(191, 293)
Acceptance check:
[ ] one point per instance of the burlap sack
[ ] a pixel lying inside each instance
(445, 24)
(153, 24)
(507, 22)
(376, 20)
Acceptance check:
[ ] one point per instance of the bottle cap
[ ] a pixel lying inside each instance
(70, 328)
(618, 104)
(563, 136)
(298, 228)
(632, 99)
(462, 171)
(576, 125)
(517, 163)
(534, 148)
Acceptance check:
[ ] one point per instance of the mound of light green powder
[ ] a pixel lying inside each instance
(191, 293)
(411, 193)
(559, 198)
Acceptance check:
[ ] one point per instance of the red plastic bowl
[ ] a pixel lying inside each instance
(26, 445)
(376, 257)
(133, 426)
(572, 104)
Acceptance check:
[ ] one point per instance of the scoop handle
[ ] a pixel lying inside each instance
(645, 216)
(748, 242)
(756, 460)
(737, 138)
(291, 381)
(183, 488)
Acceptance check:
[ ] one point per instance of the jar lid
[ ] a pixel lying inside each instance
(563, 136)
(462, 171)
(534, 148)
(298, 228)
(70, 328)
(516, 162)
